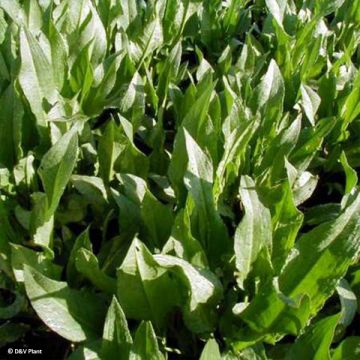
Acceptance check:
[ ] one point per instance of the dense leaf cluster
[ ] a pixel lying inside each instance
(178, 178)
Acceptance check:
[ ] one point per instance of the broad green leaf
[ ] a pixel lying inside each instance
(309, 143)
(269, 98)
(129, 12)
(133, 101)
(107, 152)
(202, 288)
(42, 223)
(207, 223)
(322, 213)
(193, 120)
(351, 175)
(304, 187)
(56, 167)
(170, 69)
(36, 77)
(89, 351)
(131, 159)
(316, 341)
(348, 303)
(327, 7)
(92, 188)
(10, 127)
(183, 244)
(105, 79)
(85, 26)
(351, 109)
(65, 311)
(235, 146)
(211, 351)
(310, 102)
(59, 56)
(348, 349)
(145, 344)
(286, 221)
(87, 264)
(33, 16)
(82, 73)
(277, 9)
(139, 121)
(21, 256)
(129, 201)
(141, 285)
(158, 220)
(254, 231)
(14, 10)
(82, 241)
(116, 340)
(279, 148)
(313, 272)
(150, 39)
(270, 91)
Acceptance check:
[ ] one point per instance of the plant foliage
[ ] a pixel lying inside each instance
(178, 178)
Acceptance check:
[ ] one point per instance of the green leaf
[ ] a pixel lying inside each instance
(42, 223)
(87, 264)
(14, 10)
(92, 188)
(211, 351)
(21, 256)
(325, 8)
(81, 242)
(10, 127)
(89, 351)
(235, 145)
(150, 39)
(203, 292)
(56, 167)
(183, 244)
(158, 220)
(141, 285)
(145, 344)
(351, 174)
(270, 96)
(310, 142)
(133, 101)
(36, 77)
(316, 341)
(254, 231)
(351, 109)
(313, 272)
(107, 152)
(206, 221)
(286, 221)
(117, 339)
(85, 26)
(59, 56)
(348, 303)
(277, 9)
(82, 73)
(63, 310)
(349, 349)
(193, 120)
(34, 16)
(310, 102)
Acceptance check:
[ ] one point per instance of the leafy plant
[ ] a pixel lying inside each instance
(179, 178)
